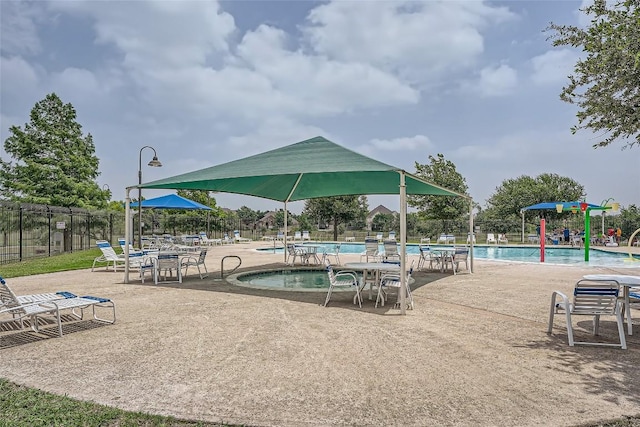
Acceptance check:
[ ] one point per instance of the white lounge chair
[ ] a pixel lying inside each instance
(342, 279)
(206, 241)
(108, 256)
(238, 239)
(450, 239)
(16, 309)
(590, 298)
(459, 256)
(370, 250)
(305, 236)
(442, 239)
(226, 240)
(392, 235)
(502, 238)
(297, 236)
(391, 251)
(491, 239)
(379, 237)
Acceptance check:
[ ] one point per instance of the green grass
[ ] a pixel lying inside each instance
(26, 407)
(21, 406)
(65, 262)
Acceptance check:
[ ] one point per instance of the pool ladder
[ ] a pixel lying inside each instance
(234, 269)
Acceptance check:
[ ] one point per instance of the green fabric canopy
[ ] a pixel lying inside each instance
(308, 169)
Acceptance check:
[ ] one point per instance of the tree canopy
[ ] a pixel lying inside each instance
(606, 83)
(337, 210)
(442, 172)
(517, 193)
(53, 163)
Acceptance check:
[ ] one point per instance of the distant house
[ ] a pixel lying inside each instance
(268, 221)
(376, 211)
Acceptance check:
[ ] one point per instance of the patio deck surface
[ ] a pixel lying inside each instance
(473, 352)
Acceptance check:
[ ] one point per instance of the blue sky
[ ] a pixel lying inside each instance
(207, 82)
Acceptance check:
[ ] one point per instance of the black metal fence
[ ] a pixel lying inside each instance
(31, 231)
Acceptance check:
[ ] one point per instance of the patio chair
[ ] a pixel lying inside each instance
(335, 254)
(370, 250)
(238, 239)
(342, 279)
(16, 309)
(502, 238)
(491, 238)
(194, 261)
(165, 265)
(590, 298)
(305, 236)
(279, 235)
(459, 256)
(471, 237)
(442, 239)
(297, 236)
(391, 251)
(426, 256)
(450, 239)
(425, 240)
(390, 281)
(379, 237)
(297, 252)
(392, 235)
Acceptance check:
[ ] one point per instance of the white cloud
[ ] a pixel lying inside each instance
(18, 29)
(402, 144)
(553, 66)
(494, 81)
(418, 40)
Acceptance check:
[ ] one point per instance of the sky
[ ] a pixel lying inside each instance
(208, 82)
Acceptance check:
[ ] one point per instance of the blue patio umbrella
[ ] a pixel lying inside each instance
(171, 201)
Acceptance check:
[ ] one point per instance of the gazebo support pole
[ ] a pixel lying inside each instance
(127, 233)
(472, 235)
(285, 232)
(403, 244)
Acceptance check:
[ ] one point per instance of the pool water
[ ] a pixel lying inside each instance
(553, 255)
(285, 279)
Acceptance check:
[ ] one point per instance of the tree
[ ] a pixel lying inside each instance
(337, 210)
(606, 84)
(443, 173)
(54, 164)
(514, 194)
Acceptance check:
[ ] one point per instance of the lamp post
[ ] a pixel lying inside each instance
(153, 163)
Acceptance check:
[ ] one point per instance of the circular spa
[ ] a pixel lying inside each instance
(305, 280)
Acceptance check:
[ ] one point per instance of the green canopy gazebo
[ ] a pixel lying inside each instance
(308, 169)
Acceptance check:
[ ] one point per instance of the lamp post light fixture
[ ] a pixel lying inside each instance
(614, 207)
(153, 163)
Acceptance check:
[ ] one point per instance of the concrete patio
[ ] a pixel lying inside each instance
(473, 352)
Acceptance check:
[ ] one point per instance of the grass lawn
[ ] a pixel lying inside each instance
(21, 406)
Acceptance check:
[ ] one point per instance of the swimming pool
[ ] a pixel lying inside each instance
(553, 255)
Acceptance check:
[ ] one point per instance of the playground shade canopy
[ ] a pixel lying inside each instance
(171, 201)
(552, 206)
(308, 169)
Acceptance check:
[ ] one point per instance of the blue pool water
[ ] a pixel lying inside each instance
(553, 255)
